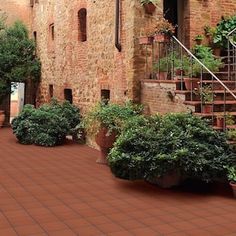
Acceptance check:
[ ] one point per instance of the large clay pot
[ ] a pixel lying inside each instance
(105, 141)
(220, 122)
(162, 75)
(2, 118)
(149, 7)
(169, 180)
(233, 185)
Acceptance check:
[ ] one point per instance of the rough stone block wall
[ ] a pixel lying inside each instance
(90, 66)
(161, 98)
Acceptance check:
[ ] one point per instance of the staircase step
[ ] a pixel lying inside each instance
(215, 91)
(233, 113)
(231, 126)
(220, 102)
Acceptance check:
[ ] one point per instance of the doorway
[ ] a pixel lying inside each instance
(174, 12)
(17, 99)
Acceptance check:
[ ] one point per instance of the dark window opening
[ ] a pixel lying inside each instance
(68, 95)
(105, 95)
(52, 31)
(82, 22)
(51, 91)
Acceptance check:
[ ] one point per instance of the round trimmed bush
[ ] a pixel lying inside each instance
(150, 147)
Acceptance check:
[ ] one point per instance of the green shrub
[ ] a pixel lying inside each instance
(47, 125)
(151, 147)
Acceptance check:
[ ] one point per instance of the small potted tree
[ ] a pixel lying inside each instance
(163, 31)
(105, 122)
(207, 97)
(232, 179)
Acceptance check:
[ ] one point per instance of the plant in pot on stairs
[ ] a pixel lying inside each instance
(105, 122)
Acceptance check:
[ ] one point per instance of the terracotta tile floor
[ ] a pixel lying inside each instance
(62, 191)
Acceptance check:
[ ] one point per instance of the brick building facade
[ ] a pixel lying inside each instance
(76, 42)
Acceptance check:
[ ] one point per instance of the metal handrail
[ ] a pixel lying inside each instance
(211, 73)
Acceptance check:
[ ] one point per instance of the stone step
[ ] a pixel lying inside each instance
(220, 102)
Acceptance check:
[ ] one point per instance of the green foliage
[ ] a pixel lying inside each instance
(226, 25)
(112, 116)
(47, 125)
(17, 56)
(231, 134)
(199, 37)
(232, 174)
(205, 55)
(150, 147)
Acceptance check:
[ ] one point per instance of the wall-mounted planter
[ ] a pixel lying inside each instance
(149, 8)
(145, 40)
(162, 38)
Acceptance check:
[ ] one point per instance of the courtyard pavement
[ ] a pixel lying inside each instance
(62, 192)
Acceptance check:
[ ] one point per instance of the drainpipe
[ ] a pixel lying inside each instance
(117, 26)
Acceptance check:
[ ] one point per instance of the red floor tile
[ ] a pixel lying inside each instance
(61, 191)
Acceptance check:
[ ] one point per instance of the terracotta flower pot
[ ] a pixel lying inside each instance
(217, 51)
(149, 8)
(233, 186)
(2, 118)
(220, 122)
(105, 141)
(146, 40)
(206, 109)
(191, 83)
(162, 75)
(179, 72)
(162, 38)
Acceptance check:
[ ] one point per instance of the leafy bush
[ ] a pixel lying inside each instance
(226, 25)
(47, 125)
(152, 147)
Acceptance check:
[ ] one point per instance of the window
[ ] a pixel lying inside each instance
(52, 32)
(82, 23)
(105, 95)
(51, 91)
(68, 95)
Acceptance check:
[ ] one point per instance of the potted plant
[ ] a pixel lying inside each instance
(231, 134)
(207, 97)
(2, 118)
(105, 122)
(162, 68)
(163, 31)
(149, 5)
(232, 178)
(220, 120)
(198, 39)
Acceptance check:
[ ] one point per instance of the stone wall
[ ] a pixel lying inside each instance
(85, 67)
(161, 98)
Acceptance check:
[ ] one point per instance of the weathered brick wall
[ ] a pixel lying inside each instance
(161, 98)
(208, 13)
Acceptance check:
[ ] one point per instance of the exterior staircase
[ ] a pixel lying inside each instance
(221, 112)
